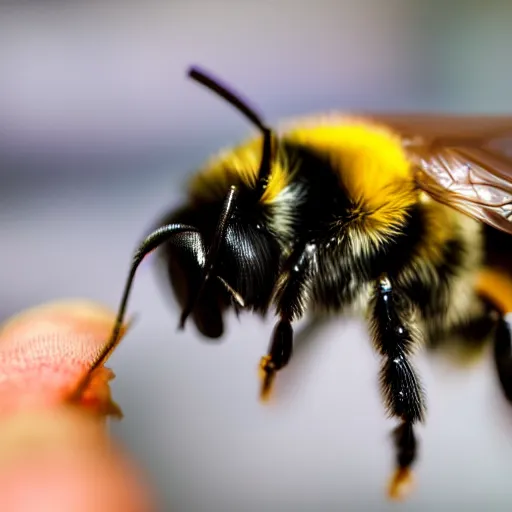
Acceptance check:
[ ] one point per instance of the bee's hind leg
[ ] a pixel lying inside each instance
(464, 343)
(502, 351)
(498, 324)
(495, 289)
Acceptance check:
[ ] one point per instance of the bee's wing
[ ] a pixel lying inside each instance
(462, 161)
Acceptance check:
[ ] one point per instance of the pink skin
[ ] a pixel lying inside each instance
(47, 350)
(55, 455)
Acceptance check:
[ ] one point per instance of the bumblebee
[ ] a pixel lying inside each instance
(405, 218)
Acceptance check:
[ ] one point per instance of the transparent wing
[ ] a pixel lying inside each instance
(462, 161)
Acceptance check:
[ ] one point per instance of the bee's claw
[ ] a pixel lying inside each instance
(267, 376)
(401, 484)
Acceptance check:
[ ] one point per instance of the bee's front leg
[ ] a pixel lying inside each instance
(395, 337)
(291, 297)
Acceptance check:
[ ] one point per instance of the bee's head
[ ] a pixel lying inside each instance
(243, 274)
(233, 254)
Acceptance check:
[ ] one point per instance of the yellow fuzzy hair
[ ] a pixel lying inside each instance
(372, 167)
(238, 165)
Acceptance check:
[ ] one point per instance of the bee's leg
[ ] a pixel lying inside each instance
(495, 289)
(503, 353)
(395, 337)
(498, 322)
(291, 297)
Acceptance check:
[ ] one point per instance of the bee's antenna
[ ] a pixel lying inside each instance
(242, 106)
(230, 96)
(149, 244)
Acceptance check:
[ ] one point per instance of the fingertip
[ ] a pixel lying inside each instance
(47, 350)
(61, 313)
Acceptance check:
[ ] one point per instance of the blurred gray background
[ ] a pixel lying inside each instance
(99, 129)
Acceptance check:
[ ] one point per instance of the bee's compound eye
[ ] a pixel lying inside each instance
(185, 258)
